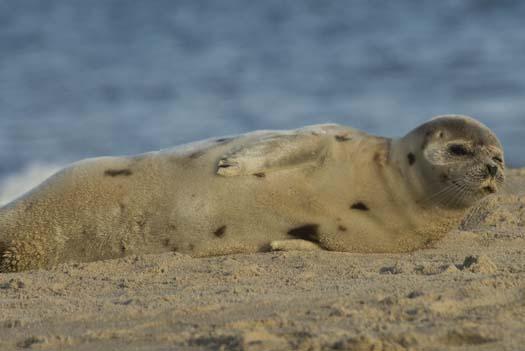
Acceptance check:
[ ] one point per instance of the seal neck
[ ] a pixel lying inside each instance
(405, 165)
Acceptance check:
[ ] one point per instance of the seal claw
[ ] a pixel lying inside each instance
(228, 167)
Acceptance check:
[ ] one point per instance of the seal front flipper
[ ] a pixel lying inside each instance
(294, 245)
(275, 152)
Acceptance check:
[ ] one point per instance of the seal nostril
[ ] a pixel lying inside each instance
(493, 170)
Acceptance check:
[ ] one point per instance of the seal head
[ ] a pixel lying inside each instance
(460, 160)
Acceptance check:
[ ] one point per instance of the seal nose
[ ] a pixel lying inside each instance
(493, 170)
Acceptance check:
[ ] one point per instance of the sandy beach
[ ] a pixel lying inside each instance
(466, 293)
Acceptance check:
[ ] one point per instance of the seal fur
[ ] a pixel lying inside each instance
(320, 187)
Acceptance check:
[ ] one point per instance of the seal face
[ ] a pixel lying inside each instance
(325, 187)
(462, 159)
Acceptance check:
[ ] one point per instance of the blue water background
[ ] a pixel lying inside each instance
(107, 77)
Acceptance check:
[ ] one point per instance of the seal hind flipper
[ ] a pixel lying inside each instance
(9, 258)
(16, 256)
(4, 254)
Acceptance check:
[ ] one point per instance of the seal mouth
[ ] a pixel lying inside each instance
(489, 189)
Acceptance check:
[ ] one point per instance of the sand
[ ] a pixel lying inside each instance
(466, 293)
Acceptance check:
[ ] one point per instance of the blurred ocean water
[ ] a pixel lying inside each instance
(108, 77)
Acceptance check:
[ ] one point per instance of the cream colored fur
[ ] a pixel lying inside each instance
(321, 187)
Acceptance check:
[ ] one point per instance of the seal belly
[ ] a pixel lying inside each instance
(230, 215)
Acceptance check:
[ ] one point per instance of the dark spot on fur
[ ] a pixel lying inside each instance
(118, 172)
(415, 294)
(342, 138)
(141, 223)
(360, 206)
(172, 227)
(196, 154)
(443, 177)
(429, 243)
(381, 158)
(308, 232)
(411, 158)
(260, 175)
(220, 231)
(166, 242)
(122, 248)
(426, 139)
(342, 228)
(29, 206)
(223, 140)
(265, 248)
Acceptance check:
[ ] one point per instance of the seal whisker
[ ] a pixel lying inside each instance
(456, 197)
(506, 189)
(453, 194)
(459, 195)
(436, 197)
(464, 192)
(437, 194)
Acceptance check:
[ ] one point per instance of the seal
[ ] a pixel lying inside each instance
(325, 187)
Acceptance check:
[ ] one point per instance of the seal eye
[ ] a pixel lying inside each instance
(459, 150)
